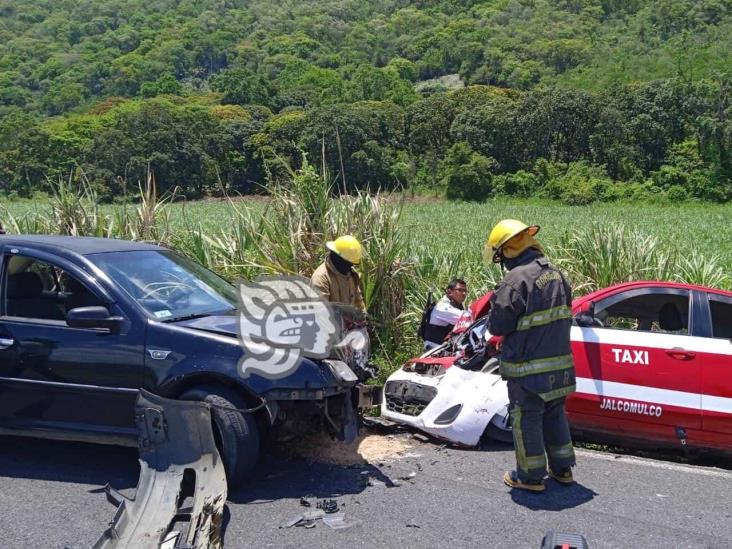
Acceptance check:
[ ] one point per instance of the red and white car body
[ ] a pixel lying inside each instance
(651, 376)
(653, 363)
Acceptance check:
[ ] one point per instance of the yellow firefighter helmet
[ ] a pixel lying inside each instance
(504, 231)
(348, 247)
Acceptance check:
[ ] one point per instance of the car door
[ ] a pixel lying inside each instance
(717, 369)
(638, 369)
(56, 377)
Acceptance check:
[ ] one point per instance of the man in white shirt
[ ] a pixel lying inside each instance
(445, 313)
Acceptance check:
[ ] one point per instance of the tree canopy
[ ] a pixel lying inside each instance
(438, 94)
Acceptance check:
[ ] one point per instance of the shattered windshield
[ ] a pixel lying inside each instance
(475, 336)
(168, 286)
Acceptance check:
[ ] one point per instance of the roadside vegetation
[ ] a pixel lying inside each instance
(412, 246)
(414, 125)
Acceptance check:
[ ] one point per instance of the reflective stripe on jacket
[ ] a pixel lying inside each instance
(531, 308)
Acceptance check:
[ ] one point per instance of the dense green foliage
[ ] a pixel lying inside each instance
(578, 100)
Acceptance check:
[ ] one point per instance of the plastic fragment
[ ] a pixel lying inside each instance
(304, 519)
(338, 522)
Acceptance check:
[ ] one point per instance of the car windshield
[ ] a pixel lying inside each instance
(168, 286)
(475, 335)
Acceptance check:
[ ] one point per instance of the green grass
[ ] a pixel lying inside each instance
(704, 228)
(212, 214)
(596, 245)
(436, 228)
(688, 230)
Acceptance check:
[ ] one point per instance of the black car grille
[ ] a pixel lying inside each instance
(407, 397)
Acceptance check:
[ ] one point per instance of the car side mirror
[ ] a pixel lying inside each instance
(587, 319)
(584, 320)
(96, 317)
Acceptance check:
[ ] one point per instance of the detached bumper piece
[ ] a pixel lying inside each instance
(180, 496)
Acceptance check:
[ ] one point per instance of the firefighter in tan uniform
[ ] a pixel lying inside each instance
(531, 310)
(336, 279)
(339, 283)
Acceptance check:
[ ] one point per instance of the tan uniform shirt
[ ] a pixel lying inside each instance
(337, 287)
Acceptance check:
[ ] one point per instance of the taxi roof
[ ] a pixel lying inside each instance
(625, 286)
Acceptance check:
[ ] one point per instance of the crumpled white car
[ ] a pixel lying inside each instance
(454, 391)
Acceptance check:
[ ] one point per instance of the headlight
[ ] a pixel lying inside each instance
(341, 371)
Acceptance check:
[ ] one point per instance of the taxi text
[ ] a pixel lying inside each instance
(627, 356)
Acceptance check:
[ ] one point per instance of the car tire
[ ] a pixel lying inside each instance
(496, 433)
(236, 433)
(499, 427)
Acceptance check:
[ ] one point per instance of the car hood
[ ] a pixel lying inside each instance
(224, 324)
(210, 345)
(227, 324)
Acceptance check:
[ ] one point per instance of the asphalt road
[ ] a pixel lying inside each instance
(433, 497)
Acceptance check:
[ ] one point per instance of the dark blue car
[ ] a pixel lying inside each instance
(86, 322)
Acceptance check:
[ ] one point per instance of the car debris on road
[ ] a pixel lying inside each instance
(338, 522)
(178, 462)
(306, 519)
(328, 511)
(328, 505)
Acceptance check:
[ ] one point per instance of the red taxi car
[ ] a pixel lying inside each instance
(654, 364)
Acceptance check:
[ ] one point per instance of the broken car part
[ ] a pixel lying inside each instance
(306, 519)
(457, 405)
(334, 520)
(453, 392)
(180, 496)
(338, 522)
(562, 540)
(328, 505)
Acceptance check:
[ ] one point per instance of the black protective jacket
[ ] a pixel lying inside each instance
(531, 308)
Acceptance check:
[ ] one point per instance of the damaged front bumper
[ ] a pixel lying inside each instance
(456, 406)
(336, 405)
(181, 492)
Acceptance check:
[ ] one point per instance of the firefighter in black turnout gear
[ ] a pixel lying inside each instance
(531, 310)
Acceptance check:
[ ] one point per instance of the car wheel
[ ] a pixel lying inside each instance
(236, 434)
(499, 428)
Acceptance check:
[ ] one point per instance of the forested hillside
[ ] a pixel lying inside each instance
(576, 100)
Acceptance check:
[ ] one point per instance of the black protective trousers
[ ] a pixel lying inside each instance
(540, 431)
